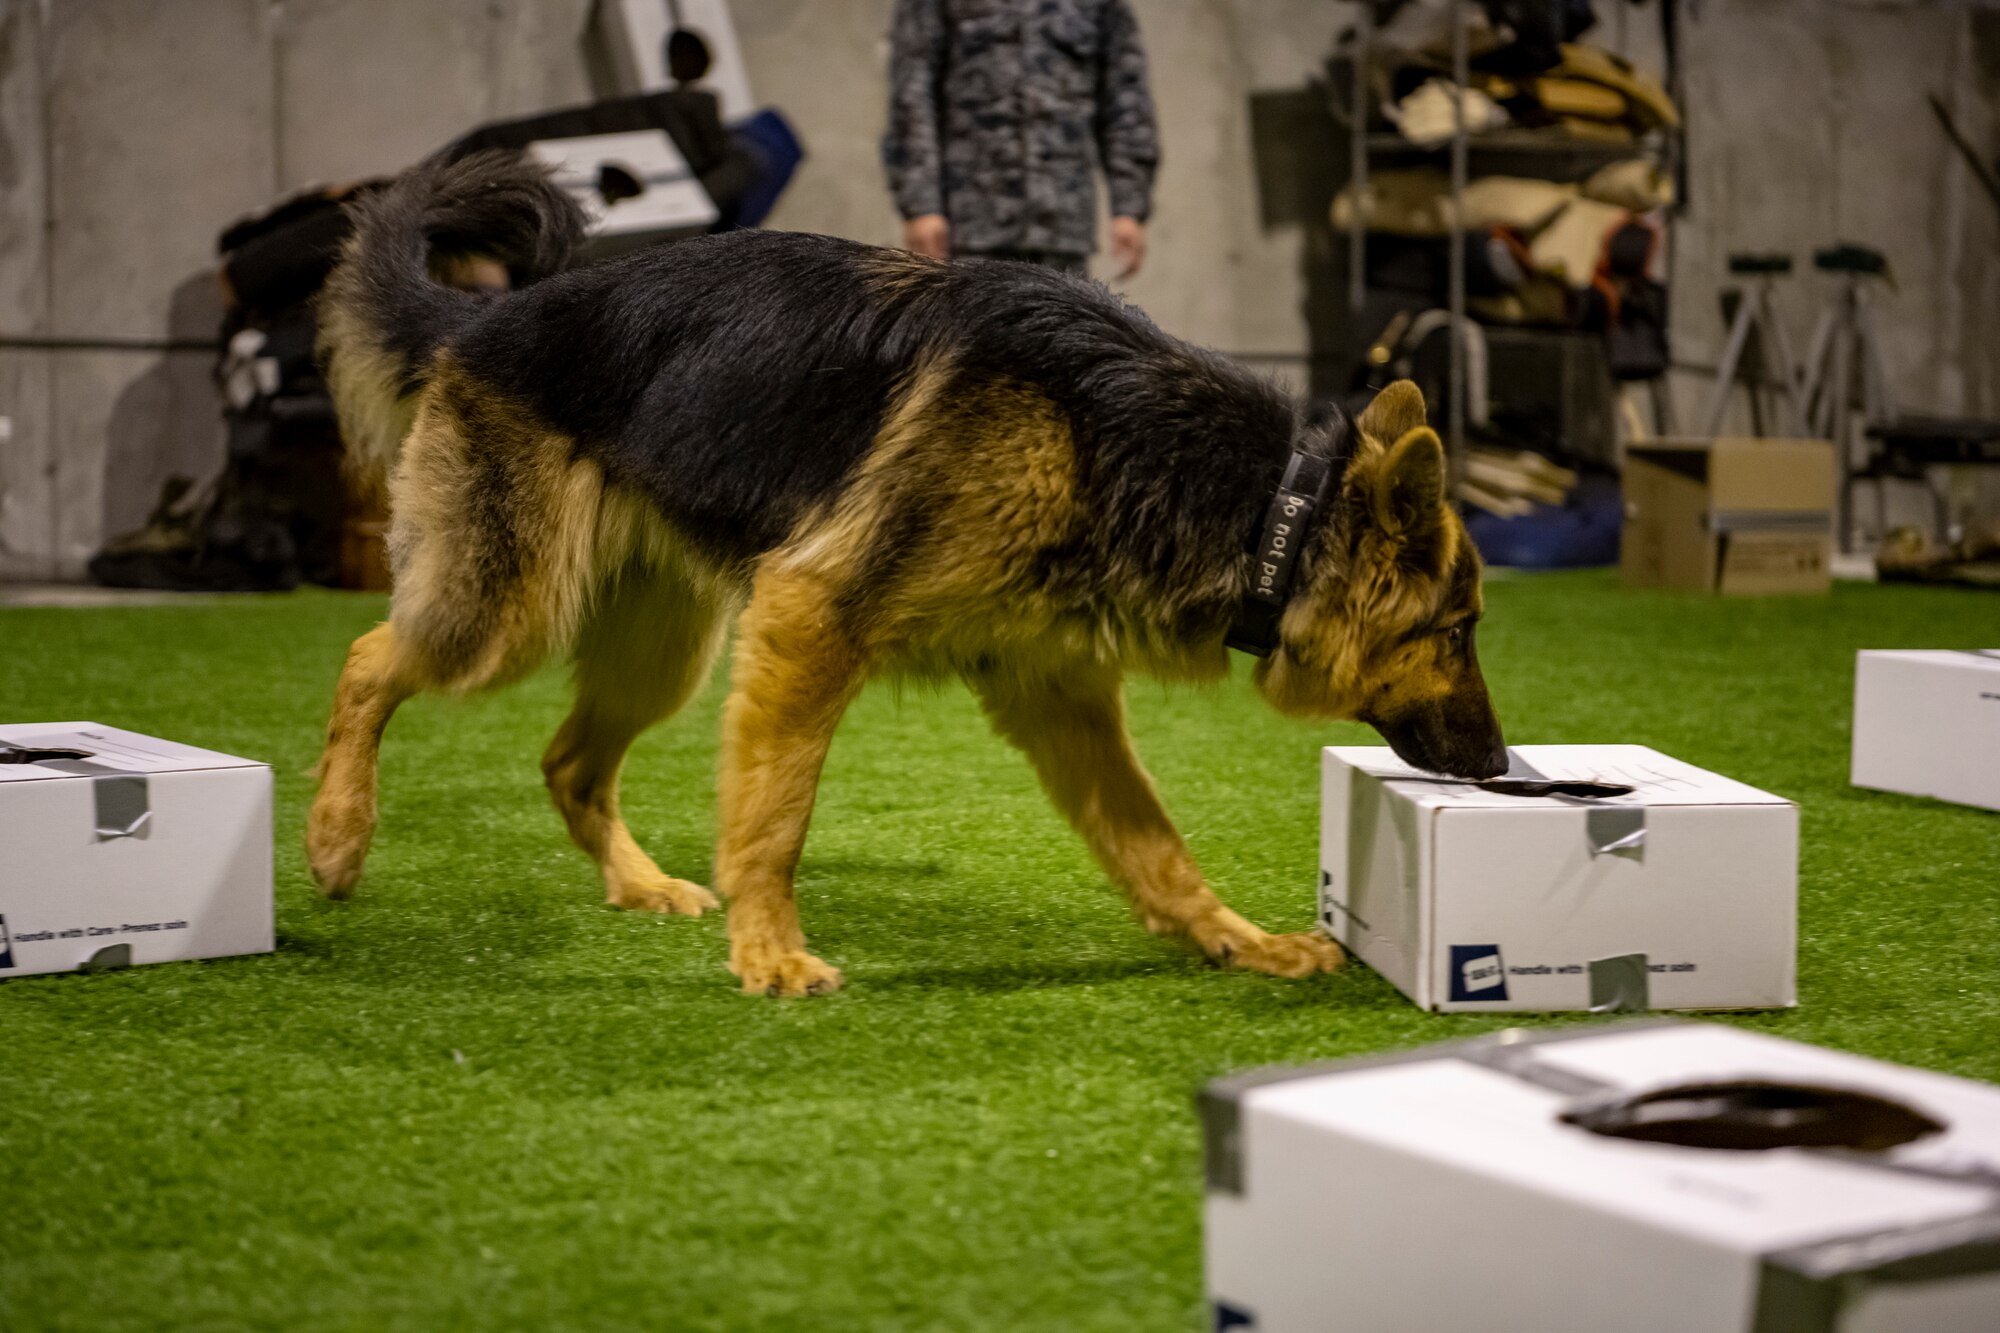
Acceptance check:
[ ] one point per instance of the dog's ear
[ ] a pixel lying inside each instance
(1410, 487)
(1396, 411)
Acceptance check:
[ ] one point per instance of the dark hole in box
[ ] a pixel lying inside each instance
(616, 183)
(1752, 1116)
(17, 754)
(1584, 788)
(1588, 790)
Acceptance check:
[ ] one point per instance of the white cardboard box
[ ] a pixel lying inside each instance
(672, 203)
(627, 41)
(1441, 1190)
(1928, 724)
(141, 851)
(1470, 900)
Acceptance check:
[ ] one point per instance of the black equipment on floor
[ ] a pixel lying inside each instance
(273, 518)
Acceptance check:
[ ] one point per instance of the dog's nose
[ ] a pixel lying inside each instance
(1469, 760)
(1478, 768)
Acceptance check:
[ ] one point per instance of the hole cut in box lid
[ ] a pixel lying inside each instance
(56, 743)
(27, 754)
(1755, 1115)
(1653, 779)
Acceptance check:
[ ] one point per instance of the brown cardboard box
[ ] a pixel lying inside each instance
(1730, 516)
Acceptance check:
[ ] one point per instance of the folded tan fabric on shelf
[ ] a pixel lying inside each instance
(1426, 116)
(1520, 202)
(1593, 131)
(1572, 245)
(1417, 202)
(1519, 473)
(1580, 97)
(1407, 202)
(1540, 300)
(1636, 184)
(1511, 482)
(1596, 65)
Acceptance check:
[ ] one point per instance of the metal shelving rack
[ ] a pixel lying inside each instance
(1519, 144)
(1361, 144)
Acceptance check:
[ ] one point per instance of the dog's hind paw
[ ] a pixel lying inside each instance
(336, 846)
(663, 894)
(791, 972)
(335, 873)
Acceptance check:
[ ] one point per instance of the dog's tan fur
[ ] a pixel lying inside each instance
(955, 541)
(588, 569)
(1352, 646)
(508, 549)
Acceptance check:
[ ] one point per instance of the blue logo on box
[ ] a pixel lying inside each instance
(1477, 972)
(6, 945)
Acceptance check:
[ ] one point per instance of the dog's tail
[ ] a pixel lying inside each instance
(383, 314)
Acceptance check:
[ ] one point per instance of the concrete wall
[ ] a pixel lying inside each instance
(132, 131)
(1809, 124)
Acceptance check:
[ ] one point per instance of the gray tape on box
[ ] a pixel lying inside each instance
(107, 959)
(1616, 830)
(123, 801)
(1770, 520)
(1808, 1289)
(1802, 1290)
(124, 807)
(1620, 984)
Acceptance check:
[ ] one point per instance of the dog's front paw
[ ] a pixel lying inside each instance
(663, 894)
(1298, 955)
(772, 971)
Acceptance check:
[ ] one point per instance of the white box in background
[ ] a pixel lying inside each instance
(1441, 1190)
(140, 851)
(1467, 899)
(671, 205)
(625, 45)
(1928, 724)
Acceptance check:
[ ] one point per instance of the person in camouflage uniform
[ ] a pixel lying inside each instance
(994, 108)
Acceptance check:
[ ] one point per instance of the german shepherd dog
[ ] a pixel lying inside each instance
(876, 464)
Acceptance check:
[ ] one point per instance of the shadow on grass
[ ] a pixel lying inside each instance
(870, 869)
(1017, 975)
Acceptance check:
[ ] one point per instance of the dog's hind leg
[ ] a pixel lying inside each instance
(494, 532)
(647, 647)
(794, 673)
(1072, 728)
(486, 645)
(375, 680)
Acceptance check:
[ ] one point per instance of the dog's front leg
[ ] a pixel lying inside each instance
(794, 674)
(1072, 728)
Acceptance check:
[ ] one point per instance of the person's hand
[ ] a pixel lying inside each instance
(928, 234)
(1128, 245)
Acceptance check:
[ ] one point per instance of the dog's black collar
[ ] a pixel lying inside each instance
(1288, 524)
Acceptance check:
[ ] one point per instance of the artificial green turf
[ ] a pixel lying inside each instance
(476, 1098)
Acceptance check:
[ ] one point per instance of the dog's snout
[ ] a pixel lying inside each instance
(1495, 761)
(1471, 761)
(1480, 748)
(1438, 740)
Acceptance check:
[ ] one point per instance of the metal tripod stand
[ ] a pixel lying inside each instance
(1756, 312)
